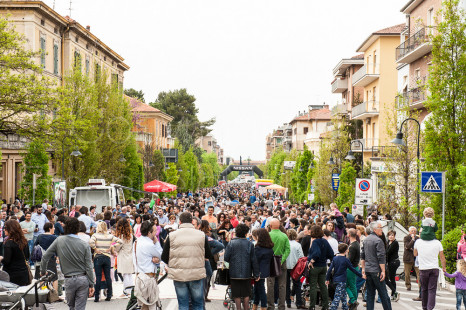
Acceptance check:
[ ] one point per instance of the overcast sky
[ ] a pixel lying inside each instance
(250, 64)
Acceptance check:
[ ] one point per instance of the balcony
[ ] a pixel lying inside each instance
(339, 86)
(365, 110)
(413, 99)
(366, 75)
(368, 144)
(340, 109)
(414, 48)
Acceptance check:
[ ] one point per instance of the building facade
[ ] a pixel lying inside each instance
(63, 43)
(209, 144)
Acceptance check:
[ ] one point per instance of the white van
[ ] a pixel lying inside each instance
(97, 193)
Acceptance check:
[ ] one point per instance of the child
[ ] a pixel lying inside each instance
(428, 225)
(460, 282)
(339, 265)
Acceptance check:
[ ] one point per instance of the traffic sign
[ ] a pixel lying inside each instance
(363, 192)
(335, 181)
(358, 210)
(432, 182)
(310, 197)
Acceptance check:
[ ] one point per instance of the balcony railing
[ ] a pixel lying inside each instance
(340, 109)
(366, 74)
(339, 85)
(404, 52)
(365, 110)
(368, 144)
(412, 99)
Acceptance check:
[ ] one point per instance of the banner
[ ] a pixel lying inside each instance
(59, 194)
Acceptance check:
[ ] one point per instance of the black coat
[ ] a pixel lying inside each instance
(264, 257)
(242, 258)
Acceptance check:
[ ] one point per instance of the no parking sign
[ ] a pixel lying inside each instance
(363, 193)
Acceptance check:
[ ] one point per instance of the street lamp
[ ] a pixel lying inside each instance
(122, 159)
(399, 140)
(75, 153)
(331, 162)
(350, 155)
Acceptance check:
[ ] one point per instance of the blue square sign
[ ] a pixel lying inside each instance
(432, 182)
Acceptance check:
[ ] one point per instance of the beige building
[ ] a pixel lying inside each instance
(280, 137)
(209, 144)
(64, 43)
(307, 127)
(413, 55)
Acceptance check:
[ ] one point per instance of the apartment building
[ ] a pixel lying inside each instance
(280, 137)
(63, 43)
(209, 144)
(413, 55)
(307, 127)
(151, 125)
(343, 84)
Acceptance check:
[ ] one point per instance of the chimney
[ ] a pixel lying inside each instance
(88, 28)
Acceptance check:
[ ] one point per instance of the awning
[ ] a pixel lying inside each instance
(157, 186)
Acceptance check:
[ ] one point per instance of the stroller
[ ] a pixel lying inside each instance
(133, 301)
(14, 297)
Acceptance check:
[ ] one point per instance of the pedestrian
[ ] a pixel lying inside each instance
(339, 267)
(319, 253)
(243, 266)
(125, 254)
(87, 220)
(354, 255)
(103, 245)
(45, 240)
(460, 282)
(39, 219)
(76, 265)
(146, 255)
(296, 252)
(393, 263)
(428, 252)
(281, 248)
(373, 261)
(264, 253)
(28, 228)
(15, 254)
(408, 256)
(184, 252)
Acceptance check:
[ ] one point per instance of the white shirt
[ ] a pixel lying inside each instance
(334, 245)
(88, 221)
(145, 251)
(428, 252)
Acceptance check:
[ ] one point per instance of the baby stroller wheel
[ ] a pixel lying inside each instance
(225, 303)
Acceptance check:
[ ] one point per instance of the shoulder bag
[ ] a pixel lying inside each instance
(275, 266)
(30, 277)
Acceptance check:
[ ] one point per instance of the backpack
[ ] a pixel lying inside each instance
(299, 269)
(37, 252)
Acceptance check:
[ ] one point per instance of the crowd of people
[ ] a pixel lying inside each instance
(268, 245)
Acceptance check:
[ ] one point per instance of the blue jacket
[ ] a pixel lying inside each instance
(264, 257)
(339, 265)
(320, 251)
(241, 256)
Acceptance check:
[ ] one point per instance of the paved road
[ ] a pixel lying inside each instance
(445, 300)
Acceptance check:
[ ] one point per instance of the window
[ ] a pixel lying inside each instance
(55, 58)
(295, 131)
(87, 65)
(163, 130)
(42, 51)
(97, 72)
(430, 20)
(42, 22)
(209, 143)
(77, 61)
(306, 129)
(114, 78)
(375, 63)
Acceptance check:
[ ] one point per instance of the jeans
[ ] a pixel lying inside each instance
(259, 293)
(429, 280)
(30, 246)
(392, 267)
(77, 290)
(460, 294)
(295, 291)
(102, 263)
(190, 290)
(340, 295)
(317, 277)
(373, 283)
(351, 286)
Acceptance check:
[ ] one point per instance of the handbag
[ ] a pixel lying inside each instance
(275, 266)
(222, 277)
(29, 268)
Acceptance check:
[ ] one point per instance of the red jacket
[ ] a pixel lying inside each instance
(234, 222)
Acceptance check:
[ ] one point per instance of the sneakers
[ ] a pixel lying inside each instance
(397, 296)
(417, 299)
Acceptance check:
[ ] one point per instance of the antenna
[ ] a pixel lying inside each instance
(54, 5)
(70, 7)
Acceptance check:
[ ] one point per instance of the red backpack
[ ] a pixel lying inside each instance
(300, 269)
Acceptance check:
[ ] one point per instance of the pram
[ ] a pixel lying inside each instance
(133, 301)
(13, 297)
(229, 302)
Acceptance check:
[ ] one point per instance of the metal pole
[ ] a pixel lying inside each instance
(443, 203)
(63, 161)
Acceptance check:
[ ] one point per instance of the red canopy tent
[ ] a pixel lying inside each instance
(157, 186)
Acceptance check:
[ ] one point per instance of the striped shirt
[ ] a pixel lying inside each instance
(103, 242)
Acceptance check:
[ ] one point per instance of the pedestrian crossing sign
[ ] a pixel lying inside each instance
(432, 182)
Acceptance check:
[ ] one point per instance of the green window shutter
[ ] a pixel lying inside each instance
(97, 72)
(42, 53)
(55, 59)
(77, 61)
(87, 66)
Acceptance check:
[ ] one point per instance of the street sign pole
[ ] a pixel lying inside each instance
(443, 204)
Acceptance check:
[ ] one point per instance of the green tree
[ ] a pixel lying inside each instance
(172, 175)
(26, 96)
(138, 94)
(157, 167)
(445, 130)
(299, 182)
(186, 126)
(347, 187)
(36, 161)
(192, 173)
(133, 174)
